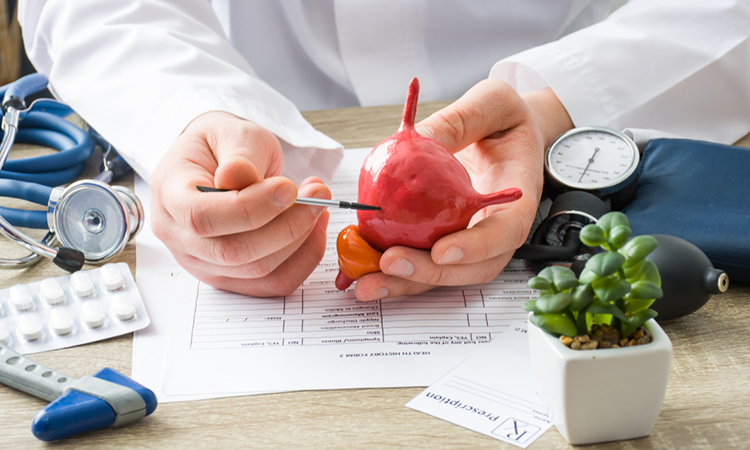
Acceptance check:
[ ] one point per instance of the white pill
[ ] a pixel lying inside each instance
(52, 292)
(111, 277)
(4, 333)
(123, 306)
(92, 313)
(20, 296)
(82, 284)
(31, 328)
(61, 321)
(2, 311)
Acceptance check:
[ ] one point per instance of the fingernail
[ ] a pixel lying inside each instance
(284, 196)
(426, 132)
(451, 255)
(380, 293)
(318, 210)
(401, 268)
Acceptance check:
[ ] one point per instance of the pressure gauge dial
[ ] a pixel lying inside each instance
(593, 159)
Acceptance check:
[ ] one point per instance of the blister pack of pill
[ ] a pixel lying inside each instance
(79, 308)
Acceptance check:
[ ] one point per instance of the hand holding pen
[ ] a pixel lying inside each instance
(253, 241)
(312, 201)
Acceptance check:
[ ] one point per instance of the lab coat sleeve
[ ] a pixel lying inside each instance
(139, 72)
(676, 66)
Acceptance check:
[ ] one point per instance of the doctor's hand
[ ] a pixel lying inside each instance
(252, 239)
(500, 138)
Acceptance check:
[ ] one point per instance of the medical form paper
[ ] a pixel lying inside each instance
(492, 392)
(224, 344)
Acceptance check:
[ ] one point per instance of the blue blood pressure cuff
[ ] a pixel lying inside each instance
(698, 191)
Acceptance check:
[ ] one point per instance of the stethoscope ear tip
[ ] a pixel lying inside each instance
(69, 259)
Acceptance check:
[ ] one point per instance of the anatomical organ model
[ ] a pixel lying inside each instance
(423, 192)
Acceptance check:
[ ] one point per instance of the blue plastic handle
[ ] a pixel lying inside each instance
(26, 86)
(75, 412)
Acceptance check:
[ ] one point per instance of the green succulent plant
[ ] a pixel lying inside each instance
(616, 287)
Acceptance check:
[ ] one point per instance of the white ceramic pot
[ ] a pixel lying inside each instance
(605, 394)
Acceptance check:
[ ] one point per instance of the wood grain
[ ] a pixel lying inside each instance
(706, 405)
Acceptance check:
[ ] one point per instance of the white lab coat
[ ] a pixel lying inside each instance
(138, 72)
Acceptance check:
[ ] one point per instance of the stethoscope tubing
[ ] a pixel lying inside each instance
(26, 86)
(73, 144)
(32, 192)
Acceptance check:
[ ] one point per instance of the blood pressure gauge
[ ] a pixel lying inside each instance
(594, 159)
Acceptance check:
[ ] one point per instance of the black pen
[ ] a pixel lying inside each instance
(312, 201)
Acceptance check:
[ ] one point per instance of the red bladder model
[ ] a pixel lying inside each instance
(423, 192)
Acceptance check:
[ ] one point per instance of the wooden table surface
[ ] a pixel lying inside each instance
(707, 404)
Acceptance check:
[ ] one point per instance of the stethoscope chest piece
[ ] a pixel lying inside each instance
(95, 218)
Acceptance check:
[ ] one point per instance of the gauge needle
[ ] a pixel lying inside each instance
(587, 165)
(313, 201)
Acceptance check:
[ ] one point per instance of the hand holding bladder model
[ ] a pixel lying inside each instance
(427, 199)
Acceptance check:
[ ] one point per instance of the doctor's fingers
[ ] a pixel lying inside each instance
(255, 269)
(293, 225)
(375, 286)
(489, 107)
(284, 279)
(497, 234)
(225, 213)
(421, 274)
(418, 267)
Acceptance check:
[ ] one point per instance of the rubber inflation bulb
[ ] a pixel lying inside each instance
(688, 279)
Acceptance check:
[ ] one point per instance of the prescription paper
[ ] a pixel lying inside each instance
(223, 344)
(492, 392)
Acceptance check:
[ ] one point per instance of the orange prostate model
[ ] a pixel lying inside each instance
(423, 192)
(356, 257)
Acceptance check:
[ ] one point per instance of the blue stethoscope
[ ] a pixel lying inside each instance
(92, 220)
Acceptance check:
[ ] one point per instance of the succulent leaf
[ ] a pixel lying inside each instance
(605, 264)
(561, 277)
(588, 276)
(530, 305)
(613, 219)
(582, 296)
(593, 235)
(539, 283)
(619, 235)
(554, 324)
(645, 270)
(610, 289)
(636, 249)
(645, 289)
(636, 320)
(598, 306)
(633, 305)
(553, 303)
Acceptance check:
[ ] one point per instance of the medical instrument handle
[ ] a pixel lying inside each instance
(31, 377)
(108, 398)
(27, 85)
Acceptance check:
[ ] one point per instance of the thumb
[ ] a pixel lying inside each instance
(245, 152)
(488, 107)
(235, 173)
